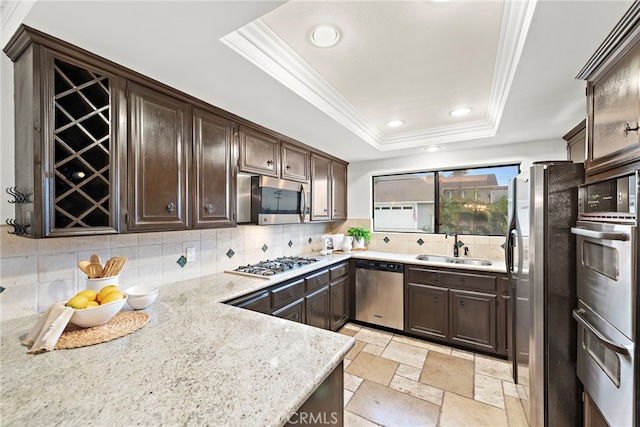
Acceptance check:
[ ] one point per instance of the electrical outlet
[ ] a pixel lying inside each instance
(191, 254)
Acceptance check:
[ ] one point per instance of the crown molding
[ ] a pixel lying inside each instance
(257, 43)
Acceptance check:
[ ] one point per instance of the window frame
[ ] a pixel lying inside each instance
(437, 196)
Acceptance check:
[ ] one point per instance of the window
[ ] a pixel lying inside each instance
(462, 201)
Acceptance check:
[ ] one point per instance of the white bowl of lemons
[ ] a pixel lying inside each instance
(94, 308)
(141, 296)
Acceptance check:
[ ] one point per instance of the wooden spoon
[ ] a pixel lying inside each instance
(113, 266)
(82, 265)
(94, 270)
(95, 259)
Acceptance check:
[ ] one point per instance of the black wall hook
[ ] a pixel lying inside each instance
(18, 197)
(18, 229)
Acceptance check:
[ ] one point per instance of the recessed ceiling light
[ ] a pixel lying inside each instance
(460, 111)
(432, 148)
(395, 123)
(325, 35)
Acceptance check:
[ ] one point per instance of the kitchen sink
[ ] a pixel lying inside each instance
(452, 260)
(434, 258)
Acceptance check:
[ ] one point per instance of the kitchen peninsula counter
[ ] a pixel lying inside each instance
(197, 362)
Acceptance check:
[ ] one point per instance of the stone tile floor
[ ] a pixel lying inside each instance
(396, 381)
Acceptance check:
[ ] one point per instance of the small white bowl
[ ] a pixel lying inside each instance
(141, 296)
(94, 316)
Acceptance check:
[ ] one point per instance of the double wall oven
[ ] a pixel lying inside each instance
(607, 289)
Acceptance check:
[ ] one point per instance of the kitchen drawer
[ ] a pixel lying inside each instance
(472, 281)
(294, 311)
(338, 271)
(258, 301)
(317, 280)
(287, 294)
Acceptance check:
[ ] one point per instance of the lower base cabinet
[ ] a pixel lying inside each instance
(464, 308)
(293, 311)
(339, 301)
(473, 319)
(317, 308)
(429, 310)
(319, 298)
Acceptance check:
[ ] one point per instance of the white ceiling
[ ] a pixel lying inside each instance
(415, 61)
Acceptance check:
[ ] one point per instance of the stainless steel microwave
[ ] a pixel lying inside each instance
(264, 200)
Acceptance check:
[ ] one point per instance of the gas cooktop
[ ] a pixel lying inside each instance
(271, 267)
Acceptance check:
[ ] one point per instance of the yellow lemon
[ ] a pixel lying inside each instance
(78, 302)
(92, 304)
(89, 293)
(105, 291)
(112, 296)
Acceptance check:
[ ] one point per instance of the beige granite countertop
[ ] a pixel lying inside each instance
(198, 362)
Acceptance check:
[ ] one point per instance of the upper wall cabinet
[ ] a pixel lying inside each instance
(158, 159)
(259, 152)
(328, 189)
(67, 146)
(613, 101)
(295, 163)
(213, 179)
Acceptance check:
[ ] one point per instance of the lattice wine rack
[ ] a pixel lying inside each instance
(81, 147)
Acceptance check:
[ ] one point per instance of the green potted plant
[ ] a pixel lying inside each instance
(360, 235)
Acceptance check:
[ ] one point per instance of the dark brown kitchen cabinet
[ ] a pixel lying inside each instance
(159, 155)
(317, 308)
(286, 294)
(428, 311)
(338, 190)
(328, 189)
(259, 152)
(462, 307)
(212, 181)
(613, 101)
(259, 302)
(339, 298)
(295, 163)
(473, 319)
(293, 311)
(67, 157)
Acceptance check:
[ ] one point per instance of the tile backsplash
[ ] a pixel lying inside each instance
(488, 247)
(37, 272)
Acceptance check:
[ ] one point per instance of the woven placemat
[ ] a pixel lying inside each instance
(123, 323)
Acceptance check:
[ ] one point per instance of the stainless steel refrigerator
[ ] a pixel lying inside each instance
(540, 257)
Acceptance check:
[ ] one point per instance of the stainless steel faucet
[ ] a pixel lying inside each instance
(456, 252)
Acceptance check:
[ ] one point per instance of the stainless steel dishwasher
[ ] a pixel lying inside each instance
(380, 293)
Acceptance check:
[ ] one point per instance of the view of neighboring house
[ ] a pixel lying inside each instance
(467, 203)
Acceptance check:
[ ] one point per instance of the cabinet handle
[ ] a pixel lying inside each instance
(313, 307)
(209, 208)
(295, 316)
(290, 293)
(171, 207)
(462, 280)
(288, 167)
(628, 129)
(334, 293)
(436, 299)
(325, 209)
(461, 303)
(269, 163)
(436, 278)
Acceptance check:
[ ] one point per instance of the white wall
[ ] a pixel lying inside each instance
(360, 173)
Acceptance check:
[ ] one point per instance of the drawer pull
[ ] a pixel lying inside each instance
(290, 293)
(296, 317)
(436, 300)
(269, 163)
(313, 307)
(334, 293)
(288, 167)
(171, 207)
(462, 280)
(461, 303)
(628, 129)
(209, 208)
